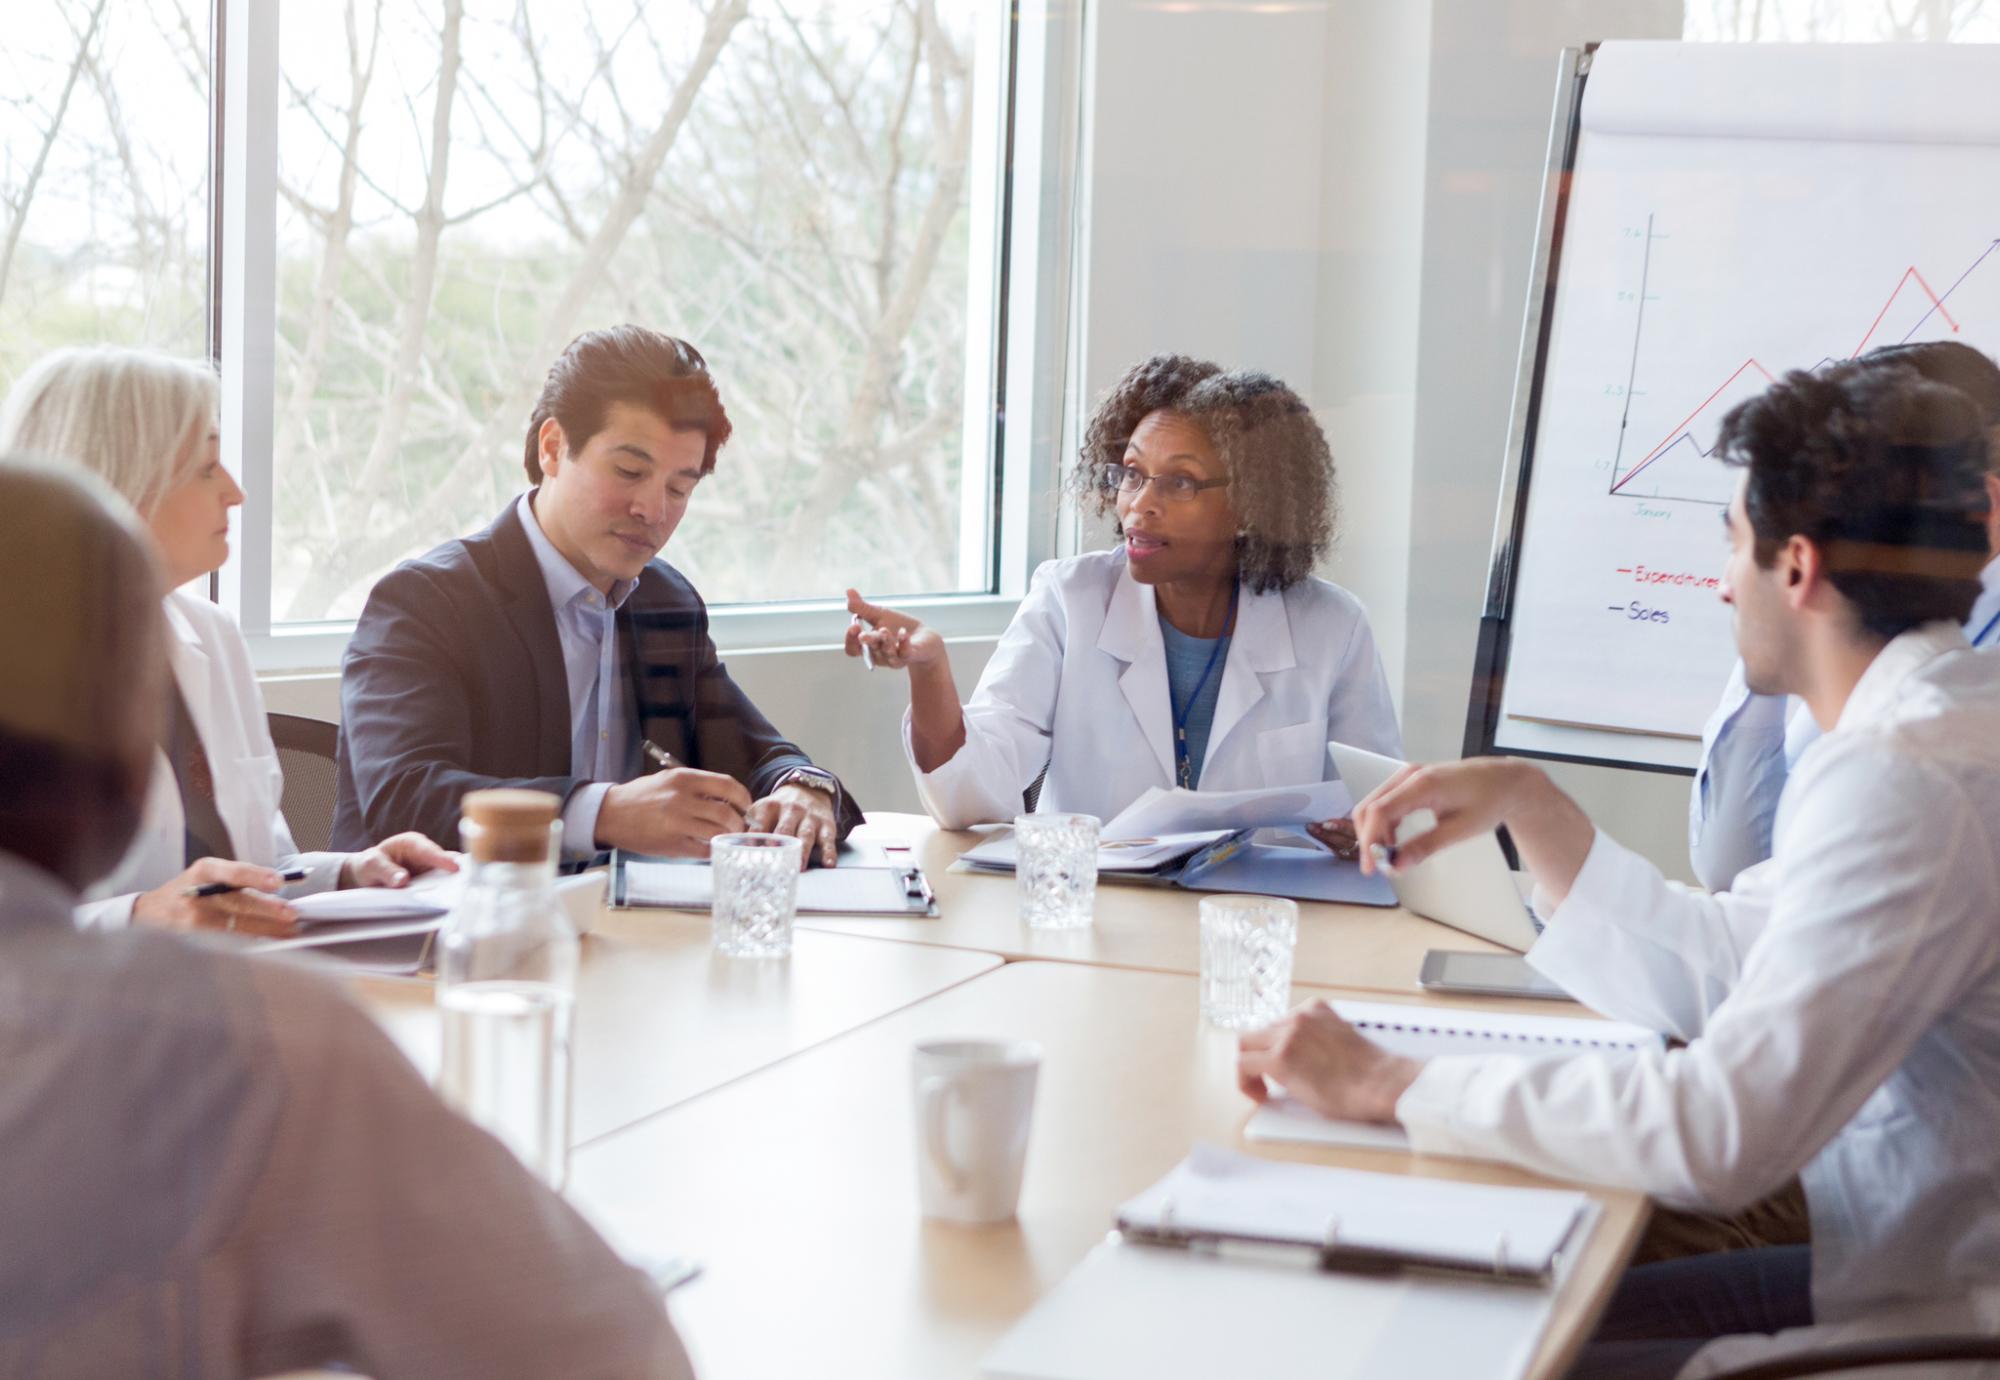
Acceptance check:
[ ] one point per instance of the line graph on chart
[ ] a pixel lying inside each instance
(1681, 466)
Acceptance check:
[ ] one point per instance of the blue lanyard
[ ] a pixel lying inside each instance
(1183, 769)
(1979, 639)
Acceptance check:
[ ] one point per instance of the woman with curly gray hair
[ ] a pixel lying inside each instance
(1199, 652)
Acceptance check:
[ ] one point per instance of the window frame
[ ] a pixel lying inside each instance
(1024, 181)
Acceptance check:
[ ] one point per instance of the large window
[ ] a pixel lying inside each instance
(104, 162)
(802, 189)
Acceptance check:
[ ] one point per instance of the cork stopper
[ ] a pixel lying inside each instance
(508, 825)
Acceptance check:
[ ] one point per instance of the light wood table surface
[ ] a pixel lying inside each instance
(1376, 948)
(659, 1018)
(796, 1186)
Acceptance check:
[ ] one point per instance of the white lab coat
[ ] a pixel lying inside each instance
(212, 665)
(1843, 1009)
(1079, 681)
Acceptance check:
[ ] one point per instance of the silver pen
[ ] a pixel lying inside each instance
(670, 1274)
(659, 756)
(867, 657)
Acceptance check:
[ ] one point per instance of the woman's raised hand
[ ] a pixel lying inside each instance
(892, 639)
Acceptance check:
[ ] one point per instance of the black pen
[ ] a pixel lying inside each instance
(295, 874)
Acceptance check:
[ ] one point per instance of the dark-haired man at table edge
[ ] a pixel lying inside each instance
(1841, 1001)
(548, 650)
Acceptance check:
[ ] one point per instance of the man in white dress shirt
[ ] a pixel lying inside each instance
(1751, 742)
(217, 1166)
(1842, 1003)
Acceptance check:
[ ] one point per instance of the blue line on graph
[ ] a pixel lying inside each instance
(1948, 292)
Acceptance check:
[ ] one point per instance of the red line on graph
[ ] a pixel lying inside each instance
(1937, 302)
(1658, 450)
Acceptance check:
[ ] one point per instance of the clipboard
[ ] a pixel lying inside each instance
(864, 882)
(1350, 1220)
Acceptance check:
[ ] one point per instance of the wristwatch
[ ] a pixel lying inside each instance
(814, 779)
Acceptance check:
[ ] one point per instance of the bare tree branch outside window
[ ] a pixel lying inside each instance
(473, 182)
(103, 177)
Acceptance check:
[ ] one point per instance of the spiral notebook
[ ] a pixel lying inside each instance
(1427, 1032)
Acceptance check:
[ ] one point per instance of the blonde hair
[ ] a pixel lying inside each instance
(126, 415)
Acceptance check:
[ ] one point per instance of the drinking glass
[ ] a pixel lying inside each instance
(1055, 869)
(756, 893)
(1246, 959)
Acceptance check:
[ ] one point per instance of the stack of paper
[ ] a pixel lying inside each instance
(1178, 811)
(1137, 855)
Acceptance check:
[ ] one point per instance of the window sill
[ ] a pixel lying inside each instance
(308, 647)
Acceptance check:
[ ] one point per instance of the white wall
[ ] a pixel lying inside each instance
(1201, 227)
(1364, 384)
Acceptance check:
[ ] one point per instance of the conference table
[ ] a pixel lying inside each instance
(1371, 948)
(661, 1018)
(756, 1114)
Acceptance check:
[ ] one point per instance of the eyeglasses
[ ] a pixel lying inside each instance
(1175, 488)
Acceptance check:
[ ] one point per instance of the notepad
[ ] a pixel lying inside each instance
(428, 896)
(1426, 1032)
(366, 905)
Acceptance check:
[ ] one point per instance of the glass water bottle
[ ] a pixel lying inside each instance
(506, 981)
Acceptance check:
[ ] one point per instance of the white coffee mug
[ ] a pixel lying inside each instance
(974, 1099)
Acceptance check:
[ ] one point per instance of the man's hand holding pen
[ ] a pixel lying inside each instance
(672, 813)
(677, 811)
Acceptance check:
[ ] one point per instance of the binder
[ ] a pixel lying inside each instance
(1214, 861)
(864, 882)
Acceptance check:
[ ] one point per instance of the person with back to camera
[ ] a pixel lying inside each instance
(218, 1165)
(1201, 651)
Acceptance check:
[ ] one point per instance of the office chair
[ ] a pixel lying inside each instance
(306, 752)
(1855, 1356)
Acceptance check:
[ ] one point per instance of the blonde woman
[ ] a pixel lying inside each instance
(146, 423)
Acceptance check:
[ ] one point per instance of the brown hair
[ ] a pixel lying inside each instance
(632, 365)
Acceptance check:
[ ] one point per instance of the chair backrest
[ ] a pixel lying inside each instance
(307, 749)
